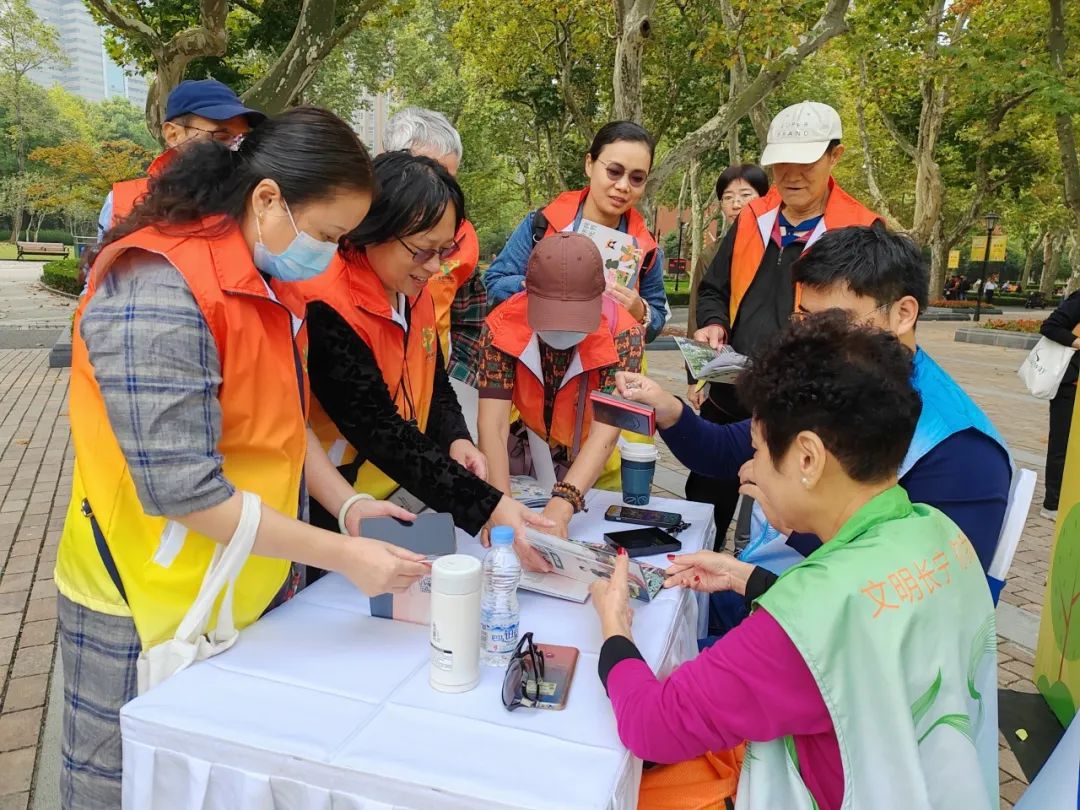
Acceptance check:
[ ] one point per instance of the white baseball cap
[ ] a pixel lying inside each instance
(801, 133)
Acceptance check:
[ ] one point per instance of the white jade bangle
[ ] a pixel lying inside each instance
(345, 507)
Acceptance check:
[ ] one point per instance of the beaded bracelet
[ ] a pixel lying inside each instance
(571, 494)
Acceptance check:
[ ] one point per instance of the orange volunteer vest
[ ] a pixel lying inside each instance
(511, 335)
(754, 229)
(263, 398)
(453, 272)
(407, 360)
(561, 212)
(126, 193)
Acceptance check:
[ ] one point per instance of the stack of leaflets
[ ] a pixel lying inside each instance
(620, 252)
(706, 364)
(527, 490)
(577, 565)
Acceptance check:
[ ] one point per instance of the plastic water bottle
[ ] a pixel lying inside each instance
(499, 611)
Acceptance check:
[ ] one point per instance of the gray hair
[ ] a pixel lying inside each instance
(414, 128)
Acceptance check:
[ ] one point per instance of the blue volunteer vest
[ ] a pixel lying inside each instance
(946, 410)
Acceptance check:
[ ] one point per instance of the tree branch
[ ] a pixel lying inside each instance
(906, 146)
(131, 26)
(712, 133)
(563, 51)
(881, 205)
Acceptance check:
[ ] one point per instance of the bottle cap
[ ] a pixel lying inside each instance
(455, 574)
(502, 535)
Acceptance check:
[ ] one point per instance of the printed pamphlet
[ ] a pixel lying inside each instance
(709, 365)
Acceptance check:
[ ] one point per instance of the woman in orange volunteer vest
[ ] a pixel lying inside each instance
(384, 409)
(543, 352)
(747, 294)
(617, 167)
(189, 405)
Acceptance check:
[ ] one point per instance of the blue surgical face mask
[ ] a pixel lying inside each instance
(304, 258)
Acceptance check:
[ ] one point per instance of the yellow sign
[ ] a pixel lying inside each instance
(978, 248)
(954, 259)
(1057, 660)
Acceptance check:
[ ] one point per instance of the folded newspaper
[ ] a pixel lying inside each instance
(527, 490)
(709, 365)
(577, 565)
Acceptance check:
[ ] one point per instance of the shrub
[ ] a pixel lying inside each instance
(44, 235)
(1028, 326)
(941, 302)
(62, 275)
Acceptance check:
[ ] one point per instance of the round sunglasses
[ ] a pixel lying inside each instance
(615, 172)
(427, 254)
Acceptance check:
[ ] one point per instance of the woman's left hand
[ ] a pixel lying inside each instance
(629, 299)
(611, 599)
(468, 455)
(366, 508)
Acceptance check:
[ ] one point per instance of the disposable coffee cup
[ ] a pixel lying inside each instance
(638, 467)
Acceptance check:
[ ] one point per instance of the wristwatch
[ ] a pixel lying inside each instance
(645, 313)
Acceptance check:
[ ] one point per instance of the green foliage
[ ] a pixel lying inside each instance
(1064, 588)
(62, 275)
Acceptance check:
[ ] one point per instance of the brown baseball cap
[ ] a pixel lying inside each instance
(565, 283)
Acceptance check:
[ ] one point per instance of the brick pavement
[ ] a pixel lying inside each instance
(35, 476)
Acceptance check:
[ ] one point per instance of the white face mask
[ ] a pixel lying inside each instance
(562, 340)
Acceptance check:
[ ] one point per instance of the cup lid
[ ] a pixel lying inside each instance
(638, 451)
(455, 574)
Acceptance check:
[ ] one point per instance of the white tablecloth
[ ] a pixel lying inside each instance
(321, 707)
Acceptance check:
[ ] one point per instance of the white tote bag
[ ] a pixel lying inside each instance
(1044, 367)
(191, 643)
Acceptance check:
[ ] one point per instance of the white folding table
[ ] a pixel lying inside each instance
(321, 707)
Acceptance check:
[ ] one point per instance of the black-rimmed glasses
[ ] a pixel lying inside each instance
(524, 675)
(427, 254)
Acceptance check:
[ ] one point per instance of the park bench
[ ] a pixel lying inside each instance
(40, 249)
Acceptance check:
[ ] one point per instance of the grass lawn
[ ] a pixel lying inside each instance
(684, 284)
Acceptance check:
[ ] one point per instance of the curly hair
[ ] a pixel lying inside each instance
(851, 385)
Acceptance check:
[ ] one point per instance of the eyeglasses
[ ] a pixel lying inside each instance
(524, 675)
(801, 315)
(615, 172)
(743, 197)
(223, 135)
(424, 256)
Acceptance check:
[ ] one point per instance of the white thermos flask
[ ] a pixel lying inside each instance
(455, 623)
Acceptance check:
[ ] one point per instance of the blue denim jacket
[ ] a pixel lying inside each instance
(506, 276)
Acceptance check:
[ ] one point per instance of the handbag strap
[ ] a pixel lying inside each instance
(225, 567)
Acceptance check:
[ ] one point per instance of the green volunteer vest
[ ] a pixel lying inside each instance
(894, 619)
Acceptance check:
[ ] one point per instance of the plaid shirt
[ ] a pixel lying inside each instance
(467, 313)
(157, 366)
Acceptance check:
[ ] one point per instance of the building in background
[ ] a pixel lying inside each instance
(370, 120)
(90, 73)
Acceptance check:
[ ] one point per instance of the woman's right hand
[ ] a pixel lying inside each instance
(708, 572)
(376, 567)
(509, 512)
(639, 388)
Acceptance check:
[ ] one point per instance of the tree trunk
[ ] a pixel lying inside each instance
(632, 28)
(1029, 261)
(1073, 283)
(1052, 250)
(16, 225)
(1066, 135)
(939, 261)
(697, 220)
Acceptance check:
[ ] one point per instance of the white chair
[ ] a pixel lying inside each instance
(1023, 490)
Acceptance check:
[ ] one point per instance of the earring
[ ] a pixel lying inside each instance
(806, 482)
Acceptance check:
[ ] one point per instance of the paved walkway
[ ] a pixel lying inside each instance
(35, 476)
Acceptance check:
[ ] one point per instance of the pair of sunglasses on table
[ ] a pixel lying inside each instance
(531, 683)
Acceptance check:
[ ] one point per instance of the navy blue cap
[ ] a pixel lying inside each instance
(210, 99)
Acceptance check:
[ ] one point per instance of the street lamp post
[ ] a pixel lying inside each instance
(991, 221)
(678, 253)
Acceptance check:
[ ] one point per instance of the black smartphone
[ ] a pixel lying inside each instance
(643, 542)
(643, 517)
